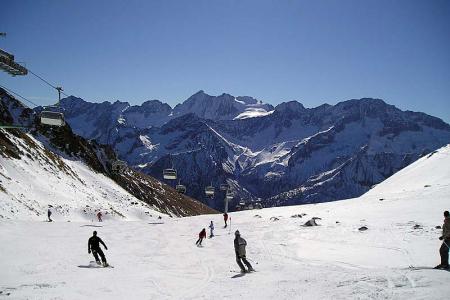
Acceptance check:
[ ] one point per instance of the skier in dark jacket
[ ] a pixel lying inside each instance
(49, 214)
(239, 249)
(225, 219)
(94, 246)
(445, 238)
(201, 236)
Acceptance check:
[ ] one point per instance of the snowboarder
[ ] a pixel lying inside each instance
(99, 216)
(239, 249)
(445, 238)
(49, 214)
(225, 219)
(201, 236)
(211, 229)
(94, 246)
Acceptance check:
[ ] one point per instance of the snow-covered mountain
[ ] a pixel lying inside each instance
(284, 155)
(55, 167)
(334, 260)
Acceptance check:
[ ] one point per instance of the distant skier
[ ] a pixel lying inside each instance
(49, 214)
(94, 246)
(445, 238)
(99, 216)
(225, 219)
(211, 229)
(201, 236)
(239, 249)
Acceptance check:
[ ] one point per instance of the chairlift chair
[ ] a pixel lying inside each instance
(118, 165)
(224, 187)
(170, 174)
(230, 195)
(209, 191)
(180, 188)
(52, 118)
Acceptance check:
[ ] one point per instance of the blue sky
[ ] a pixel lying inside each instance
(310, 51)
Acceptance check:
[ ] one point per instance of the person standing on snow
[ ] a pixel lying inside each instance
(99, 216)
(445, 238)
(239, 249)
(94, 246)
(49, 214)
(201, 236)
(225, 219)
(211, 229)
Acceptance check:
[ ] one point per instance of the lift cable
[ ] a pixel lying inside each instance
(12, 92)
(48, 83)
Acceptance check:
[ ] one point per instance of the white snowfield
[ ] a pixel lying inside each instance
(39, 260)
(74, 191)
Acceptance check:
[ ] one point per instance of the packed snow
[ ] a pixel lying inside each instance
(158, 259)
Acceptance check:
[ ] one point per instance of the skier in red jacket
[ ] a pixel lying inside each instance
(201, 236)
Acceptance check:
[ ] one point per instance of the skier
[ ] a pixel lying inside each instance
(211, 229)
(225, 219)
(239, 249)
(94, 246)
(201, 236)
(99, 216)
(49, 214)
(445, 238)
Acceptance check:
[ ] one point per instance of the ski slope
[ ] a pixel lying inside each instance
(159, 260)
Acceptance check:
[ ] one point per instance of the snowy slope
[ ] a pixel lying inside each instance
(331, 261)
(76, 192)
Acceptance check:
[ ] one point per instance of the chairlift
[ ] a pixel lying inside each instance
(118, 165)
(209, 191)
(224, 187)
(230, 195)
(53, 118)
(170, 174)
(180, 188)
(8, 64)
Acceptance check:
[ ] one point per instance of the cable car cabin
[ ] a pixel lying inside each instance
(119, 165)
(224, 187)
(209, 191)
(180, 188)
(170, 174)
(52, 118)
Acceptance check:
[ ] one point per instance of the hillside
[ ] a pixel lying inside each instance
(48, 166)
(331, 261)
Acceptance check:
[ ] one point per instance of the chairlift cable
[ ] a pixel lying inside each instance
(12, 92)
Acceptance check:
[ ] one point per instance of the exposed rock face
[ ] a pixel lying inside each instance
(284, 155)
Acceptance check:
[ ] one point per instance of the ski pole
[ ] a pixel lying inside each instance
(252, 260)
(229, 231)
(446, 244)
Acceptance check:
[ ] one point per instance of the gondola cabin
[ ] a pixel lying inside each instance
(52, 118)
(169, 174)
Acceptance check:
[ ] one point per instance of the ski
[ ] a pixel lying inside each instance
(415, 268)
